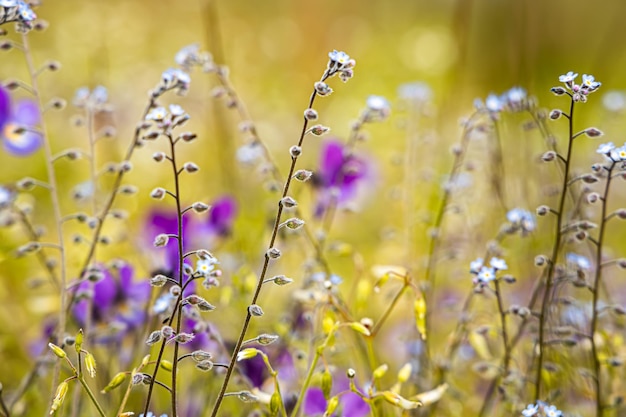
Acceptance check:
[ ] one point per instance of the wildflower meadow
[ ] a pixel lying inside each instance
(358, 208)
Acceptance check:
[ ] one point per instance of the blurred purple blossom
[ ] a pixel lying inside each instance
(199, 232)
(117, 300)
(16, 125)
(350, 404)
(339, 176)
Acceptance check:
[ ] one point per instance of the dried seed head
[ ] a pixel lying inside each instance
(200, 355)
(274, 253)
(543, 210)
(158, 156)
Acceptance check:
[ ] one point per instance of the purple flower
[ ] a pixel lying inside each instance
(216, 224)
(339, 175)
(199, 232)
(16, 125)
(114, 300)
(165, 222)
(350, 404)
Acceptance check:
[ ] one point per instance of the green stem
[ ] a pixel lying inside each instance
(81, 379)
(246, 323)
(555, 253)
(596, 295)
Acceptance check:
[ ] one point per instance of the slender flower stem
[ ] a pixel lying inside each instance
(543, 317)
(390, 307)
(56, 207)
(82, 381)
(596, 293)
(507, 351)
(177, 311)
(246, 323)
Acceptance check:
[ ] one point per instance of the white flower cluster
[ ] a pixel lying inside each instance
(485, 274)
(612, 153)
(579, 91)
(513, 100)
(541, 409)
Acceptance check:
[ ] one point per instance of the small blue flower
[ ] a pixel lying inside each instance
(532, 409)
(522, 220)
(568, 78)
(498, 264)
(552, 411)
(578, 261)
(493, 103)
(476, 265)
(486, 275)
(590, 83)
(17, 125)
(605, 148)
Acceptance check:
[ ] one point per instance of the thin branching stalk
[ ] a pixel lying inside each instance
(177, 311)
(179, 226)
(56, 207)
(597, 365)
(560, 217)
(430, 274)
(33, 236)
(259, 285)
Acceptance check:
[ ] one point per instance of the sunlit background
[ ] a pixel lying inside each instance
(456, 51)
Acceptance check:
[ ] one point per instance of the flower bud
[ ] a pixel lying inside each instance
(559, 91)
(190, 167)
(593, 132)
(555, 114)
(273, 253)
(200, 207)
(310, 114)
(115, 382)
(266, 339)
(154, 337)
(90, 364)
(161, 240)
(288, 202)
(549, 156)
(294, 223)
(158, 193)
(58, 351)
(158, 280)
(158, 156)
(322, 89)
(255, 310)
(205, 366)
(303, 175)
(319, 130)
(543, 210)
